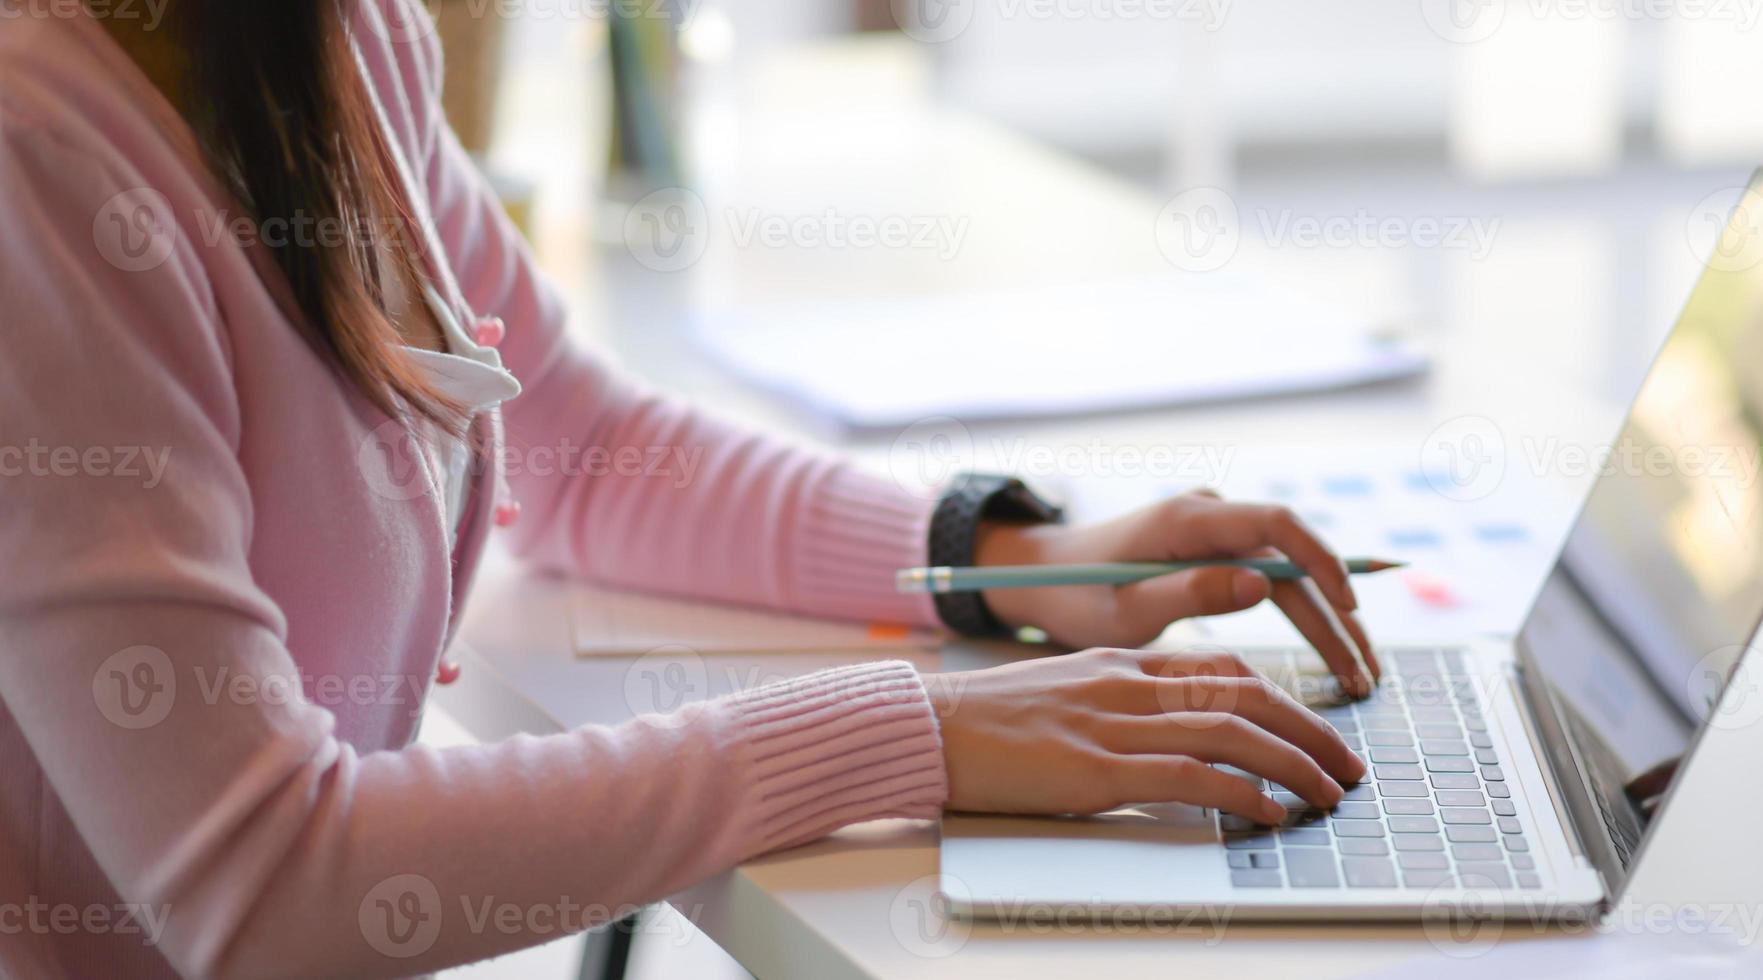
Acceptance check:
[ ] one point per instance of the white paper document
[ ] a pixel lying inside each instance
(1052, 351)
(609, 622)
(1474, 565)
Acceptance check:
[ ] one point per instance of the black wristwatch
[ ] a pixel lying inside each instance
(954, 536)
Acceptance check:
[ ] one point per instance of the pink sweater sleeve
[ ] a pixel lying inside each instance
(270, 844)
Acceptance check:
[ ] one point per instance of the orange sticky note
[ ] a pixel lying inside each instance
(889, 632)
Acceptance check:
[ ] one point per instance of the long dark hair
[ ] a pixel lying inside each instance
(286, 119)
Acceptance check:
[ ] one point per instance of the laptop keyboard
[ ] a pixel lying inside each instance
(1434, 811)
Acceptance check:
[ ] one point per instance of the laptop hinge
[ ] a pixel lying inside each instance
(1577, 812)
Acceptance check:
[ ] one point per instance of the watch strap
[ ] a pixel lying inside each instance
(954, 539)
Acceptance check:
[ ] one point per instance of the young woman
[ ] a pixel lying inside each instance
(245, 264)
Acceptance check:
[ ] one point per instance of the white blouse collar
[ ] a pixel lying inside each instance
(467, 372)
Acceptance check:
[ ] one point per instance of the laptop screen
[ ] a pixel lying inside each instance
(1659, 588)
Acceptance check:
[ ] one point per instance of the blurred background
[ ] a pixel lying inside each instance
(1548, 166)
(1397, 233)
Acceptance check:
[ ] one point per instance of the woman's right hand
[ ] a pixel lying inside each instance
(1096, 730)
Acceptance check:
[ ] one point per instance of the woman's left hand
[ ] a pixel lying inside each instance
(1194, 525)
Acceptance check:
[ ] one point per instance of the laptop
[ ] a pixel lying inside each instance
(1511, 779)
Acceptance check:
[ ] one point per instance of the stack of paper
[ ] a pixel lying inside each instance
(1052, 351)
(609, 622)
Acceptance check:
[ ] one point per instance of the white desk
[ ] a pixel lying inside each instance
(842, 907)
(1521, 335)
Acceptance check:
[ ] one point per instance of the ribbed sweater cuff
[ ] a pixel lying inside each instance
(838, 747)
(857, 530)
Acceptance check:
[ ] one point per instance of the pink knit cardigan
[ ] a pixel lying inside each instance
(228, 587)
